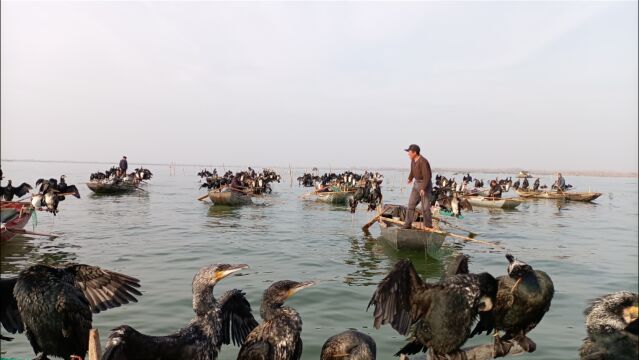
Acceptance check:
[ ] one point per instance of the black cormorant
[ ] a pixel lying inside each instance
(439, 315)
(612, 326)
(523, 298)
(54, 305)
(64, 188)
(278, 336)
(216, 322)
(349, 345)
(8, 192)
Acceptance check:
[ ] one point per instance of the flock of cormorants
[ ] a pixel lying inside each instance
(113, 175)
(54, 306)
(249, 180)
(50, 193)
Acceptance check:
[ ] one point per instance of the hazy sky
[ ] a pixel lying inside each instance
(531, 85)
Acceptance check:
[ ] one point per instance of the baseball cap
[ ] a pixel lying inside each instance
(413, 147)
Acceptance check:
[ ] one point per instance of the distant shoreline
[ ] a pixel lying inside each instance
(514, 171)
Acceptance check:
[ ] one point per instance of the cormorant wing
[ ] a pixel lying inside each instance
(9, 314)
(74, 190)
(22, 190)
(103, 288)
(237, 319)
(458, 265)
(400, 299)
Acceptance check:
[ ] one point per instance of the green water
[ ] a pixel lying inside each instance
(164, 235)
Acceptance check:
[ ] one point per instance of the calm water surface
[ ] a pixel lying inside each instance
(163, 236)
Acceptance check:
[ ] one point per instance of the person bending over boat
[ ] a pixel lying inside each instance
(420, 176)
(495, 189)
(236, 185)
(560, 183)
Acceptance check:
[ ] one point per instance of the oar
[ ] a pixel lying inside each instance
(202, 197)
(374, 219)
(470, 233)
(475, 240)
(27, 232)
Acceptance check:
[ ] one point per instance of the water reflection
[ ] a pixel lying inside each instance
(23, 251)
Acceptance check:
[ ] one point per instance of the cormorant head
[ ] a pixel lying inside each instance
(517, 268)
(280, 291)
(614, 312)
(213, 273)
(488, 290)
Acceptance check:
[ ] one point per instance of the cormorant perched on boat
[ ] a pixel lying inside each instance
(536, 184)
(63, 187)
(525, 184)
(438, 316)
(516, 185)
(54, 305)
(613, 328)
(8, 192)
(349, 345)
(523, 298)
(278, 336)
(216, 322)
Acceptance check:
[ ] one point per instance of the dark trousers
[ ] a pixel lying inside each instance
(414, 200)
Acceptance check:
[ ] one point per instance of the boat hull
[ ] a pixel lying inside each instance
(15, 215)
(229, 198)
(412, 239)
(340, 198)
(569, 196)
(502, 203)
(102, 188)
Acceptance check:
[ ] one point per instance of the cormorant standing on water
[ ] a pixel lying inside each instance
(278, 336)
(349, 345)
(216, 322)
(54, 305)
(439, 316)
(613, 328)
(523, 298)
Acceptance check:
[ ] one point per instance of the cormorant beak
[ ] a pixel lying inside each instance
(300, 286)
(485, 304)
(630, 314)
(219, 275)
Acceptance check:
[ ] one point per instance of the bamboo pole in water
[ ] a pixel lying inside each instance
(95, 352)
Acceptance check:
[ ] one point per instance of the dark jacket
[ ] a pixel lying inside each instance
(124, 164)
(420, 170)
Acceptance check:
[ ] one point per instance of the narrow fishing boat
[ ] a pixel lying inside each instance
(229, 197)
(391, 221)
(491, 202)
(15, 216)
(559, 195)
(112, 188)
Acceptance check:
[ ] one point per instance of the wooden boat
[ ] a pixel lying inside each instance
(524, 175)
(559, 195)
(15, 216)
(112, 188)
(392, 232)
(229, 197)
(491, 202)
(334, 197)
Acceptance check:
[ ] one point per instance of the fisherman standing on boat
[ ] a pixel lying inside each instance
(124, 165)
(420, 177)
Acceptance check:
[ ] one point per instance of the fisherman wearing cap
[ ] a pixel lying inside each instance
(420, 177)
(123, 166)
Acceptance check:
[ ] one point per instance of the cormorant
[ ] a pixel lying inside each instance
(8, 192)
(523, 298)
(64, 188)
(54, 305)
(216, 322)
(349, 345)
(613, 328)
(278, 336)
(439, 316)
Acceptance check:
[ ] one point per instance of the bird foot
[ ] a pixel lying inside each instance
(501, 348)
(526, 343)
